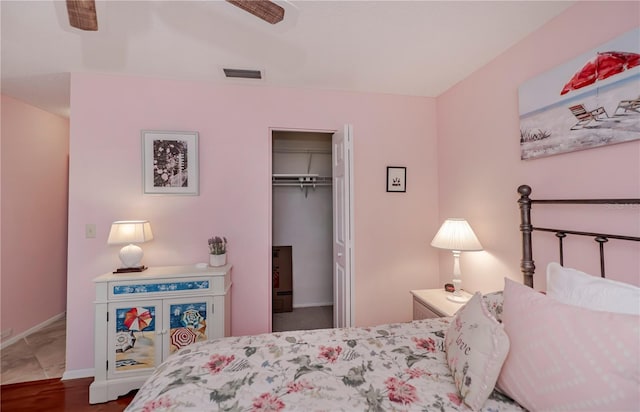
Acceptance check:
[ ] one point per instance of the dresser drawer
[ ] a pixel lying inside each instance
(147, 288)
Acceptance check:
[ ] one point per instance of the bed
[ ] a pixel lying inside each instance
(495, 346)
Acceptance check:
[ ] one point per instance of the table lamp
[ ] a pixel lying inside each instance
(457, 236)
(128, 232)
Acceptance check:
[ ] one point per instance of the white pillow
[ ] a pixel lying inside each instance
(476, 346)
(577, 288)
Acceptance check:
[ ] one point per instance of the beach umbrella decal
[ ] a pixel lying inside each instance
(191, 318)
(137, 318)
(124, 341)
(182, 337)
(604, 65)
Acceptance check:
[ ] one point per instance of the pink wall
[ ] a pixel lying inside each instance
(479, 162)
(392, 230)
(35, 148)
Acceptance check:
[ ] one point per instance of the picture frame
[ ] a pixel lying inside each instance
(170, 162)
(588, 102)
(396, 179)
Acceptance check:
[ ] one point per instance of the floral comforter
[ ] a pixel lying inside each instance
(391, 367)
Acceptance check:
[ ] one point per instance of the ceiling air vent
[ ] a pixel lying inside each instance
(242, 74)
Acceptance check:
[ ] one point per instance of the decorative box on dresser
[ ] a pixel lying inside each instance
(141, 318)
(433, 303)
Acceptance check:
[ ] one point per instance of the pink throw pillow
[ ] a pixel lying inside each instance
(568, 358)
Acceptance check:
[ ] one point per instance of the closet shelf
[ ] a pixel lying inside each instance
(302, 180)
(293, 175)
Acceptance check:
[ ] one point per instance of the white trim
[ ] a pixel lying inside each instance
(312, 305)
(31, 330)
(78, 373)
(270, 205)
(270, 232)
(352, 297)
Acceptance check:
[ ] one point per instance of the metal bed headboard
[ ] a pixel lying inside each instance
(525, 202)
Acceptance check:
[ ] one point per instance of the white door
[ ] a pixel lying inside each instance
(342, 156)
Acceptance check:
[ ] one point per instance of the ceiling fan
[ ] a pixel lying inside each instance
(82, 13)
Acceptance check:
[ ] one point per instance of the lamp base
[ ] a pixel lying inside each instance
(131, 270)
(457, 298)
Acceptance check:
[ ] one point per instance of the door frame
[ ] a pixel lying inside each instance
(351, 296)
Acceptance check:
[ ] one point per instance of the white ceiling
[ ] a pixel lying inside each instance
(419, 48)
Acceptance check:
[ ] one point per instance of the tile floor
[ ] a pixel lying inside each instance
(38, 356)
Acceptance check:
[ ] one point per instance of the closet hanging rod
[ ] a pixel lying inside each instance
(300, 178)
(304, 184)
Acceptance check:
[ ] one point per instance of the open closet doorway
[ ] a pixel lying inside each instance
(311, 265)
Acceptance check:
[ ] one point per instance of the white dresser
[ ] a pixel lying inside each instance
(142, 318)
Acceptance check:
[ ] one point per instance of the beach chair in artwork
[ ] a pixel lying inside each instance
(585, 116)
(626, 106)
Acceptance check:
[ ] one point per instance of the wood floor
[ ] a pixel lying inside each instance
(55, 395)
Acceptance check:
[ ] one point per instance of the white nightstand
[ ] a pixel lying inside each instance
(433, 303)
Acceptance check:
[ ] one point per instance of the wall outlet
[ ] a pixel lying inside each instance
(6, 333)
(90, 230)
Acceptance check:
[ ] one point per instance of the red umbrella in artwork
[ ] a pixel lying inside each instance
(604, 65)
(137, 318)
(182, 337)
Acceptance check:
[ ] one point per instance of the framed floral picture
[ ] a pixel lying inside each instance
(170, 162)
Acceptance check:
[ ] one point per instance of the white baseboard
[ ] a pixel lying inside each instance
(78, 373)
(29, 331)
(312, 305)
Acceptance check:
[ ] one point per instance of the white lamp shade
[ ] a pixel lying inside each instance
(456, 234)
(128, 232)
(124, 232)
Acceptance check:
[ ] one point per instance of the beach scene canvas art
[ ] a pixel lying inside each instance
(590, 101)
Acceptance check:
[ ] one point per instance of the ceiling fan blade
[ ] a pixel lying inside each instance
(82, 14)
(264, 9)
